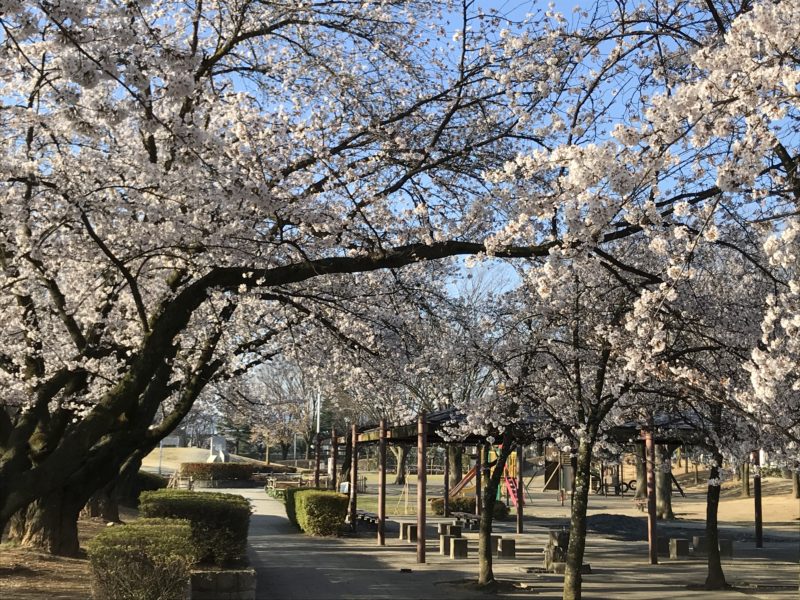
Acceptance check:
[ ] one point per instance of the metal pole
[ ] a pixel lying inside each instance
(422, 481)
(317, 458)
(650, 458)
(520, 488)
(756, 460)
(382, 485)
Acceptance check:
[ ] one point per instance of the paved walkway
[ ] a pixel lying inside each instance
(292, 566)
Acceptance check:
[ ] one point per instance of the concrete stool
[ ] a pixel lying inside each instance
(442, 527)
(444, 544)
(454, 530)
(726, 548)
(458, 548)
(699, 544)
(412, 532)
(506, 548)
(404, 525)
(678, 547)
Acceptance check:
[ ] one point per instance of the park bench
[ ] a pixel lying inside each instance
(470, 520)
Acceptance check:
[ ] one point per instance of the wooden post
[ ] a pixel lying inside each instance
(317, 458)
(478, 480)
(353, 478)
(446, 498)
(649, 462)
(422, 480)
(756, 460)
(520, 487)
(334, 457)
(382, 485)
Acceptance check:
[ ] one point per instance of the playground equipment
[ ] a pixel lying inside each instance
(510, 473)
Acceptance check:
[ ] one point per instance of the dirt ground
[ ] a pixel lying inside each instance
(29, 575)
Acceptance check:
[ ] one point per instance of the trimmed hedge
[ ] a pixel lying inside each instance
(320, 512)
(467, 505)
(219, 521)
(225, 471)
(290, 503)
(146, 559)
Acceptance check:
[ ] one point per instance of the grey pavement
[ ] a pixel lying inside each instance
(292, 566)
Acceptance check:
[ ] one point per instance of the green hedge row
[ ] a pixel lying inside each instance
(146, 559)
(320, 512)
(219, 522)
(290, 503)
(229, 471)
(142, 482)
(467, 504)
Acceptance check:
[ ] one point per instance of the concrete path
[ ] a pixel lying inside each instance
(292, 566)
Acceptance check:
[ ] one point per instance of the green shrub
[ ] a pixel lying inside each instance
(219, 521)
(146, 559)
(320, 512)
(290, 502)
(141, 482)
(467, 504)
(218, 471)
(274, 468)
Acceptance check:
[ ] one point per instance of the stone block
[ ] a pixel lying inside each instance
(726, 548)
(506, 548)
(404, 525)
(559, 537)
(442, 528)
(454, 530)
(662, 546)
(678, 547)
(699, 544)
(412, 533)
(458, 548)
(444, 544)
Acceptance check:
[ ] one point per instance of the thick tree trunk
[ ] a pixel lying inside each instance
(49, 523)
(485, 550)
(663, 470)
(348, 460)
(103, 504)
(401, 456)
(715, 580)
(745, 475)
(456, 453)
(577, 533)
(641, 475)
(796, 484)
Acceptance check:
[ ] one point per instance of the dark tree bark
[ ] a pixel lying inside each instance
(796, 484)
(745, 475)
(715, 580)
(641, 475)
(485, 550)
(577, 532)
(49, 523)
(456, 453)
(663, 482)
(401, 468)
(348, 459)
